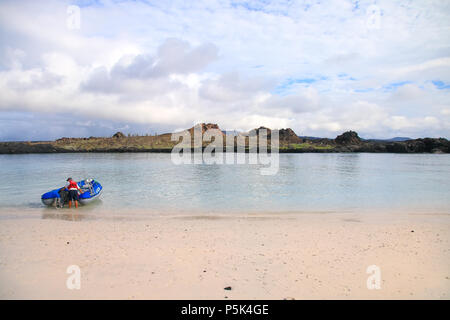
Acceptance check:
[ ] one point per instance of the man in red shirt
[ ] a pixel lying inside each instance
(73, 188)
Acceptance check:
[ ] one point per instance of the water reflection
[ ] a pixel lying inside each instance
(67, 216)
(84, 212)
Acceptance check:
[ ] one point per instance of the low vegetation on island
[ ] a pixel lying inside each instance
(289, 142)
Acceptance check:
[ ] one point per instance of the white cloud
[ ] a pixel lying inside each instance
(232, 63)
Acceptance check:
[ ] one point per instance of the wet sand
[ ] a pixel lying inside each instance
(260, 256)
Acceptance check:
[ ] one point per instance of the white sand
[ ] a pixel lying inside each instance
(301, 256)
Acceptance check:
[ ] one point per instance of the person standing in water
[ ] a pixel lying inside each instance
(73, 188)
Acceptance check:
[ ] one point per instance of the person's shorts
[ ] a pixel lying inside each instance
(73, 195)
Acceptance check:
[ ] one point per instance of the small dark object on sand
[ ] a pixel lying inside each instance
(227, 288)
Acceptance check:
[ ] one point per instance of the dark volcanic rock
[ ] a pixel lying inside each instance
(347, 142)
(396, 147)
(63, 140)
(289, 136)
(268, 131)
(285, 135)
(288, 132)
(118, 135)
(23, 147)
(347, 138)
(436, 145)
(430, 145)
(205, 127)
(416, 146)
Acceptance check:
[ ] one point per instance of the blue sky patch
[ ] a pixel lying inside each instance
(290, 82)
(88, 3)
(364, 90)
(395, 85)
(441, 85)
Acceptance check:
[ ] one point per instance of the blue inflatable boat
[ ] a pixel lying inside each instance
(91, 191)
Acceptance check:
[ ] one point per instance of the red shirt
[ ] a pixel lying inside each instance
(72, 185)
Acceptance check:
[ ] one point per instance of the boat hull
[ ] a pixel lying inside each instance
(91, 199)
(48, 202)
(92, 191)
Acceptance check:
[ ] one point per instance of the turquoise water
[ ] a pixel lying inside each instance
(305, 182)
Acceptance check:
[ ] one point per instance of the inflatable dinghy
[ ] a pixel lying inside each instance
(91, 191)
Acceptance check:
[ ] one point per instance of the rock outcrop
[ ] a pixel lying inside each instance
(289, 142)
(348, 138)
(285, 135)
(205, 127)
(118, 135)
(289, 136)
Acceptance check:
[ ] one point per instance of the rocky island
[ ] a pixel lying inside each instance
(290, 142)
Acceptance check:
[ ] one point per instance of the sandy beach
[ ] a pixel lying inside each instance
(260, 256)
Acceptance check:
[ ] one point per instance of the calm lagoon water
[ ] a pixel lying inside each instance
(304, 182)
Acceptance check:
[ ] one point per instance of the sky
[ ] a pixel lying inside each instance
(91, 68)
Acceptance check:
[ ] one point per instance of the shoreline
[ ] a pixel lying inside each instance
(99, 213)
(283, 151)
(299, 256)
